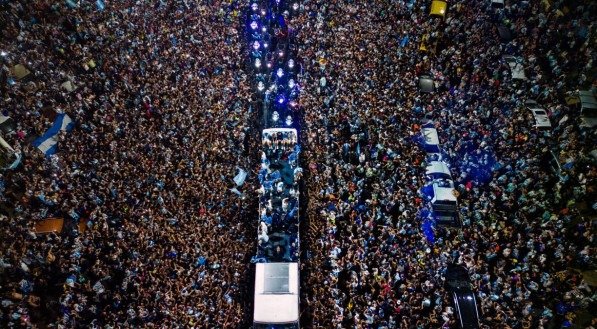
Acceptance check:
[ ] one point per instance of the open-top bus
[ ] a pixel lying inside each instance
(277, 269)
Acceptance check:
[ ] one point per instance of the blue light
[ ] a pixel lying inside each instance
(281, 99)
(254, 25)
(265, 45)
(291, 83)
(275, 116)
(280, 73)
(257, 63)
(254, 6)
(291, 63)
(256, 45)
(289, 120)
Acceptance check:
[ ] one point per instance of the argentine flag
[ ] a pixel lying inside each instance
(47, 142)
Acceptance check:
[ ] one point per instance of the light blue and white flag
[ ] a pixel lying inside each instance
(47, 142)
(239, 179)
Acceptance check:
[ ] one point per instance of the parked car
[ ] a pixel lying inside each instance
(539, 115)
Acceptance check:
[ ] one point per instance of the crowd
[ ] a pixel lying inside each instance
(524, 226)
(162, 123)
(156, 233)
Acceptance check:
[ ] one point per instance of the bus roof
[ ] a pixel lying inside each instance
(276, 293)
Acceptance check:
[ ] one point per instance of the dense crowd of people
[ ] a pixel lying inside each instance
(157, 233)
(522, 227)
(161, 127)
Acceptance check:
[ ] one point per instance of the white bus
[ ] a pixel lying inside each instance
(277, 269)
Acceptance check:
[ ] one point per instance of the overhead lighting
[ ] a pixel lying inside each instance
(256, 45)
(289, 120)
(281, 99)
(260, 86)
(280, 53)
(3, 53)
(254, 6)
(254, 25)
(257, 63)
(265, 45)
(295, 6)
(275, 116)
(291, 63)
(280, 73)
(263, 29)
(269, 65)
(291, 83)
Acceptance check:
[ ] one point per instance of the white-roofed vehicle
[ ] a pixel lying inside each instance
(539, 115)
(516, 67)
(276, 296)
(444, 202)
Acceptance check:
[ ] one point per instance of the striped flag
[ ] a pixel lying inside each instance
(47, 142)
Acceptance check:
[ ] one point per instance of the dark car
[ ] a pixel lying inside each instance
(458, 283)
(426, 84)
